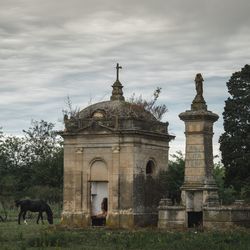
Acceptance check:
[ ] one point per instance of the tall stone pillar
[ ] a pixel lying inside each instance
(199, 188)
(113, 219)
(200, 203)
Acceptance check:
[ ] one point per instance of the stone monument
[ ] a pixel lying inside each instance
(200, 202)
(113, 150)
(199, 188)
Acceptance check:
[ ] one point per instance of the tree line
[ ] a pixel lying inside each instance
(31, 165)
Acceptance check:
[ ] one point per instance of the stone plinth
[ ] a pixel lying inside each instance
(75, 219)
(199, 184)
(199, 150)
(170, 216)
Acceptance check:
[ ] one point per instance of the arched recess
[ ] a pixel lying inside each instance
(150, 167)
(98, 170)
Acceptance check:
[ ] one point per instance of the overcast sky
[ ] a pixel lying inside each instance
(50, 49)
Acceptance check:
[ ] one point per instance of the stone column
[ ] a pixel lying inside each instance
(114, 185)
(78, 179)
(199, 187)
(68, 185)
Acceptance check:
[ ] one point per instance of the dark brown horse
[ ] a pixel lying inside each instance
(39, 206)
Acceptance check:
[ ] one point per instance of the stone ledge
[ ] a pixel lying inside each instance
(228, 208)
(76, 219)
(198, 115)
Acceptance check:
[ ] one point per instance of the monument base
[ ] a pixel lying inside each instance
(171, 217)
(122, 219)
(224, 217)
(77, 219)
(217, 217)
(125, 219)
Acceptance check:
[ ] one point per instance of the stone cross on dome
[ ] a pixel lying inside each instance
(117, 71)
(117, 94)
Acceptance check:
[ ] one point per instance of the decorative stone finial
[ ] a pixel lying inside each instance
(117, 93)
(199, 102)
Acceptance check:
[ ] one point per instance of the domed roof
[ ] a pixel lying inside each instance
(121, 109)
(115, 114)
(117, 106)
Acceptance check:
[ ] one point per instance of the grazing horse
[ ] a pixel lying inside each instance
(34, 206)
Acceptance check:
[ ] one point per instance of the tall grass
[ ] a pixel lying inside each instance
(33, 236)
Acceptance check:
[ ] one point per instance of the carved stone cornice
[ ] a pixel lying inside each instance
(191, 115)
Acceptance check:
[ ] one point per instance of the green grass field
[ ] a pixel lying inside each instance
(33, 236)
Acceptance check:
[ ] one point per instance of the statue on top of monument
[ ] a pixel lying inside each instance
(199, 84)
(199, 102)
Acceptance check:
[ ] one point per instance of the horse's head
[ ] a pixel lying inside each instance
(50, 219)
(49, 215)
(17, 203)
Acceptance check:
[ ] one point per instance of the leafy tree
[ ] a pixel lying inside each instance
(235, 141)
(12, 151)
(172, 179)
(41, 140)
(12, 160)
(49, 171)
(227, 195)
(46, 158)
(245, 192)
(33, 160)
(176, 175)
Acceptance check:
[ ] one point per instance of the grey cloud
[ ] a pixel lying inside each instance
(51, 49)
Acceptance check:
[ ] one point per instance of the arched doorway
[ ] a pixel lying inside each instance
(98, 191)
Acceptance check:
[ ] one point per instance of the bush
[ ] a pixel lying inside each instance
(245, 192)
(227, 195)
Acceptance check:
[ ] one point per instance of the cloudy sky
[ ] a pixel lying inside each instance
(51, 49)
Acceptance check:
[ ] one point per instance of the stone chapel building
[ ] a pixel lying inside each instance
(115, 150)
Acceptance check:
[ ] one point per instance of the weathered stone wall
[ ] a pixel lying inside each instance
(146, 186)
(131, 202)
(69, 189)
(170, 216)
(79, 153)
(226, 217)
(199, 151)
